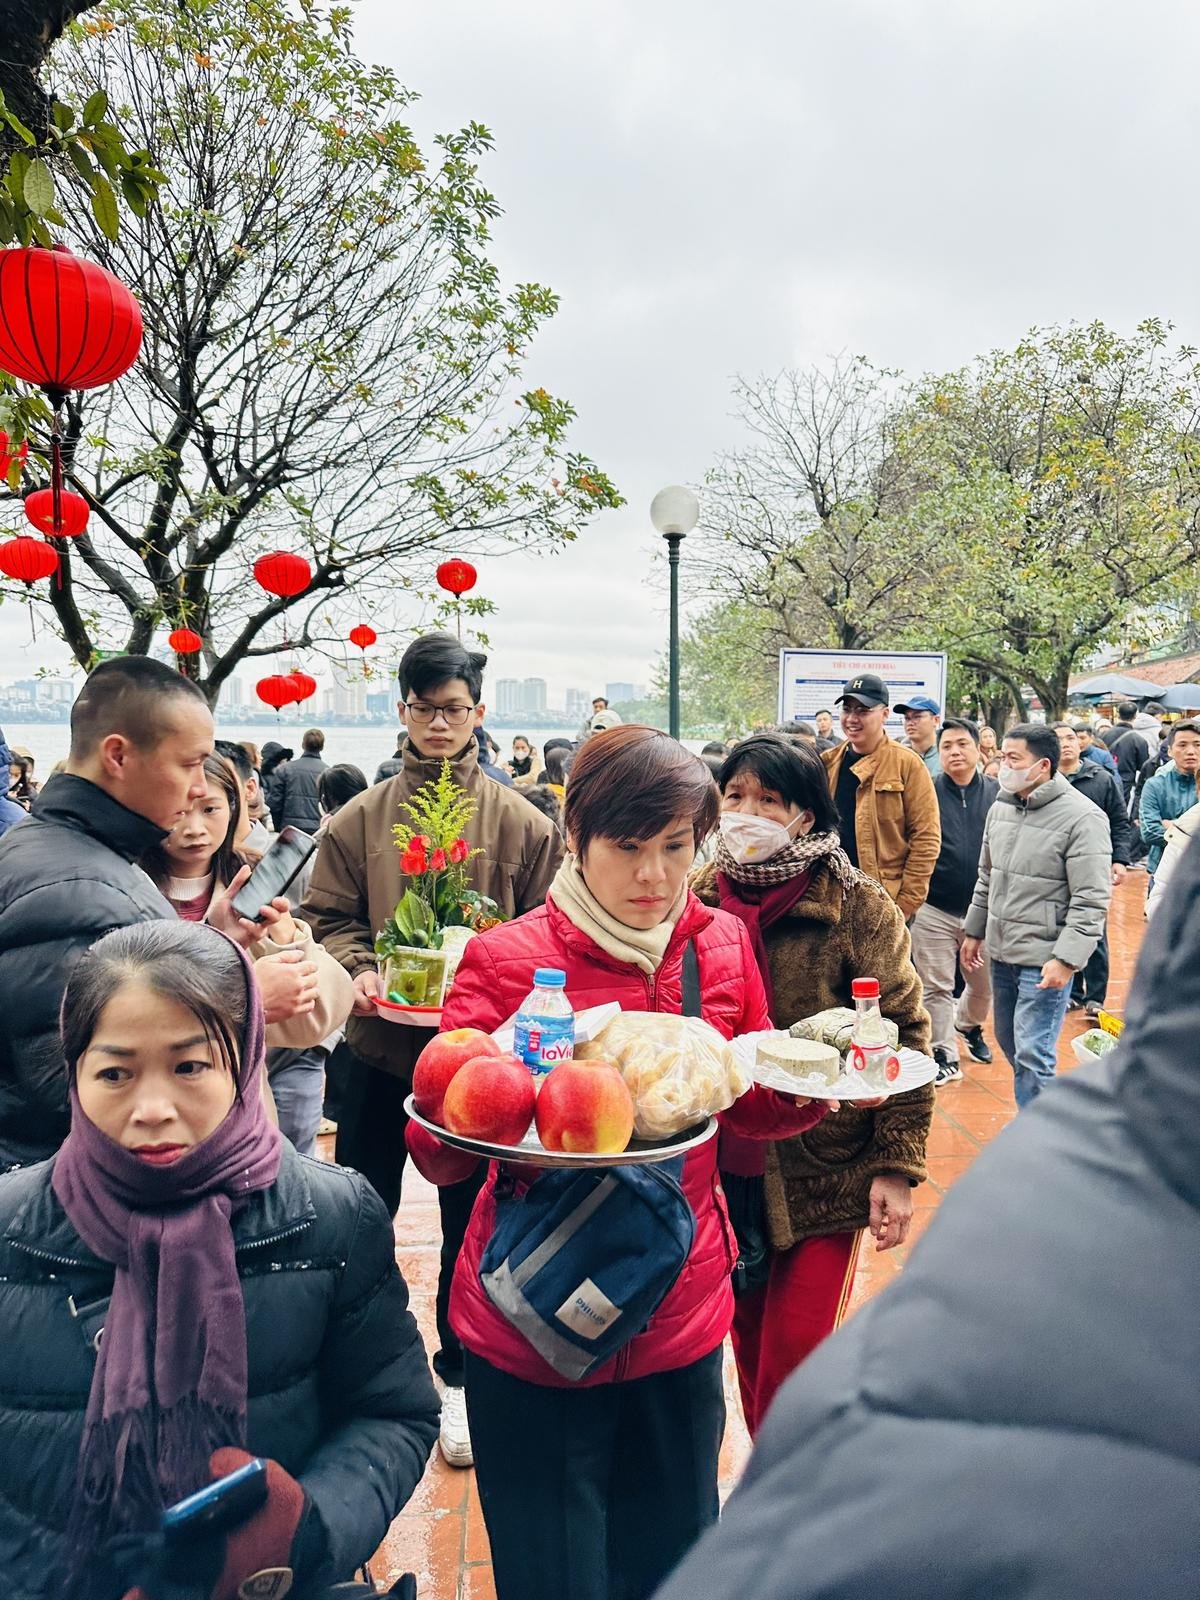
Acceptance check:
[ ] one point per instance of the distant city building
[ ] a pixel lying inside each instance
(345, 700)
(380, 702)
(508, 696)
(533, 696)
(615, 693)
(231, 693)
(579, 703)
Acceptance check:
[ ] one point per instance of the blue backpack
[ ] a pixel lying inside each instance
(581, 1261)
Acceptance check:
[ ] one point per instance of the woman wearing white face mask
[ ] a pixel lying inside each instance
(816, 924)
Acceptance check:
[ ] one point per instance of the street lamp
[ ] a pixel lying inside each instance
(674, 512)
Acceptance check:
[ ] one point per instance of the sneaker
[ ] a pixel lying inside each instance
(1093, 1008)
(948, 1069)
(977, 1046)
(454, 1436)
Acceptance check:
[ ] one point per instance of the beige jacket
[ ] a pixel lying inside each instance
(897, 825)
(357, 881)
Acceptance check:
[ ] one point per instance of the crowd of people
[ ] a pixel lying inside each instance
(183, 1287)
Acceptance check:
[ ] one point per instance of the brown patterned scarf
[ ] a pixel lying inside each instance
(801, 855)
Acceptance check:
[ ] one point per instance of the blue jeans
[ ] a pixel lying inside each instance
(297, 1079)
(1028, 1021)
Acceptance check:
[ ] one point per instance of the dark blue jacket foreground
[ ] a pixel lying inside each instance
(1018, 1416)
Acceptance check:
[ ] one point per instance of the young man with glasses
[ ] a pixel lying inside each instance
(355, 886)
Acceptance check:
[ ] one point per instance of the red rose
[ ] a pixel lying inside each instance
(437, 861)
(459, 851)
(413, 863)
(419, 841)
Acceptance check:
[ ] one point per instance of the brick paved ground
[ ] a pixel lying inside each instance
(440, 1535)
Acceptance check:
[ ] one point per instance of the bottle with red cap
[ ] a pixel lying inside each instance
(871, 1051)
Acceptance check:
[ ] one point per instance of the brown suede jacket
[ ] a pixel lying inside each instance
(820, 1181)
(357, 880)
(897, 824)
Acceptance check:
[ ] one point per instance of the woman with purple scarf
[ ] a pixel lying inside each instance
(177, 1288)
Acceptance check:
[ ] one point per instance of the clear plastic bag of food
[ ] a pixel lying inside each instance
(679, 1070)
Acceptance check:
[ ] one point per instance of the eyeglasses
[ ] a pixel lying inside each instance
(452, 716)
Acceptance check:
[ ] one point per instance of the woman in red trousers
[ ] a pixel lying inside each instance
(816, 923)
(595, 1489)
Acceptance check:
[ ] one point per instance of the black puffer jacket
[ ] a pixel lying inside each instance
(1104, 791)
(66, 877)
(1018, 1417)
(339, 1390)
(963, 809)
(297, 803)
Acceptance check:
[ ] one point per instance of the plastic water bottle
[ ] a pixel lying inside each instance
(871, 1052)
(545, 1029)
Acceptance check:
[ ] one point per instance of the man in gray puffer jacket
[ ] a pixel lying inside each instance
(1045, 880)
(1018, 1417)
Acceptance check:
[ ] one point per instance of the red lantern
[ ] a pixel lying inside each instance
(306, 687)
(73, 513)
(363, 636)
(65, 323)
(283, 573)
(276, 691)
(12, 454)
(27, 559)
(185, 642)
(456, 577)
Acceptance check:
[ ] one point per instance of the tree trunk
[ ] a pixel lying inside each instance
(28, 28)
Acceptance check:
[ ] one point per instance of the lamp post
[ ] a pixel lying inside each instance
(674, 512)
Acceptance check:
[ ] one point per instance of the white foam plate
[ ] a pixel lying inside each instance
(915, 1071)
(532, 1153)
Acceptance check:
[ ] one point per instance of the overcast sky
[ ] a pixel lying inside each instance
(718, 188)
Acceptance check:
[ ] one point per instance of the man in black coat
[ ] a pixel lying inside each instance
(1018, 1417)
(964, 799)
(1090, 986)
(1127, 747)
(139, 735)
(296, 802)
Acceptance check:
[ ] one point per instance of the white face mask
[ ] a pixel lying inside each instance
(1013, 779)
(751, 840)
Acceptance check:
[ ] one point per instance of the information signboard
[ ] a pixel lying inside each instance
(810, 680)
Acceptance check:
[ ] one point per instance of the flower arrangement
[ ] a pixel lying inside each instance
(434, 857)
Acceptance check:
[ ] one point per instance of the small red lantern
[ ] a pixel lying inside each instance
(363, 636)
(12, 454)
(283, 573)
(306, 686)
(72, 518)
(456, 577)
(65, 323)
(185, 642)
(276, 691)
(27, 559)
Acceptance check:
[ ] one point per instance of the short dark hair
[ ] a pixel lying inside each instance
(1077, 727)
(1126, 711)
(558, 762)
(600, 700)
(1154, 709)
(794, 771)
(182, 961)
(129, 696)
(824, 712)
(630, 782)
(962, 724)
(714, 747)
(338, 784)
(237, 756)
(1182, 727)
(435, 659)
(542, 798)
(1041, 741)
(313, 742)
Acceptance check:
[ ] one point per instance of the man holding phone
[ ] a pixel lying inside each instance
(355, 886)
(139, 734)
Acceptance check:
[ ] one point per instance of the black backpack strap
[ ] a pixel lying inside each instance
(691, 981)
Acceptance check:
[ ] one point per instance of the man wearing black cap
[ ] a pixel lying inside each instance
(885, 799)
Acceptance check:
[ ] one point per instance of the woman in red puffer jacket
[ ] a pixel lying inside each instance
(596, 1489)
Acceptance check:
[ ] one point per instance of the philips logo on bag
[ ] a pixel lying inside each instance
(588, 1312)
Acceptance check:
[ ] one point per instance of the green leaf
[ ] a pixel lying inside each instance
(96, 106)
(63, 116)
(39, 187)
(104, 207)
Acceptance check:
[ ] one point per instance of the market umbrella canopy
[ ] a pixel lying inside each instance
(1114, 685)
(1180, 697)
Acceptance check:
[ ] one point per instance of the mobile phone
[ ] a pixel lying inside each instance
(278, 869)
(218, 1506)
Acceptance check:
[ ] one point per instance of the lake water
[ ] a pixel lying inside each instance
(361, 747)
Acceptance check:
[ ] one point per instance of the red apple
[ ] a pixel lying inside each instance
(585, 1107)
(440, 1060)
(490, 1099)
